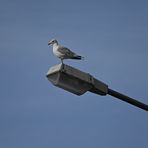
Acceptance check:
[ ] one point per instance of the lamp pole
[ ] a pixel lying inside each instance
(127, 99)
(79, 82)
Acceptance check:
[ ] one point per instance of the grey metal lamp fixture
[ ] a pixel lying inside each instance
(78, 82)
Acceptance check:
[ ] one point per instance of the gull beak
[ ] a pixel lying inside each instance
(49, 43)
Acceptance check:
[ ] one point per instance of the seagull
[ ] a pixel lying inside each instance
(63, 52)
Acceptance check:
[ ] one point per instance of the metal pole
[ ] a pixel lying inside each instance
(127, 99)
(79, 82)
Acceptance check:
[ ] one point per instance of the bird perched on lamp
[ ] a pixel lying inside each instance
(63, 52)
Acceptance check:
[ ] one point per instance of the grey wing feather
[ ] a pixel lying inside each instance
(66, 51)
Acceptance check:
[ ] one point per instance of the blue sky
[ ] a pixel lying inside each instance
(111, 35)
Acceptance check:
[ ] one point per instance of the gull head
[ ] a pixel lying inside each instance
(53, 41)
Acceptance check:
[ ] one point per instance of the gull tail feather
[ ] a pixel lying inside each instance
(78, 57)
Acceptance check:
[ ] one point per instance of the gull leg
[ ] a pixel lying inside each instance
(62, 61)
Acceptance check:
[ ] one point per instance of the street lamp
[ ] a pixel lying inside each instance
(78, 82)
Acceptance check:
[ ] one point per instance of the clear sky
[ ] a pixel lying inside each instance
(112, 35)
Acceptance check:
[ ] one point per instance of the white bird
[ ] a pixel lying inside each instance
(63, 52)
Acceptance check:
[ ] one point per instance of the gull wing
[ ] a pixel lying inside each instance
(66, 52)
